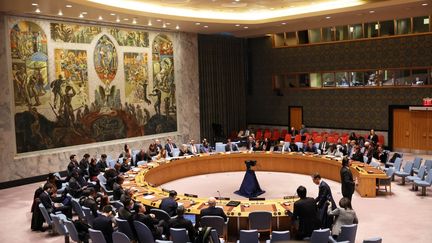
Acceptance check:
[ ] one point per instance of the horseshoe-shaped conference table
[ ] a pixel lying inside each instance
(146, 181)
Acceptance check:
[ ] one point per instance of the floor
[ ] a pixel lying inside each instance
(403, 216)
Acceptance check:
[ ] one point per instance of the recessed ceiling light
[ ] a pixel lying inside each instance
(197, 23)
(68, 6)
(237, 0)
(205, 26)
(37, 10)
(168, 23)
(34, 4)
(84, 13)
(125, 19)
(177, 27)
(118, 20)
(134, 21)
(60, 13)
(237, 25)
(149, 23)
(158, 20)
(163, 26)
(372, 11)
(81, 15)
(112, 14)
(100, 18)
(424, 4)
(246, 27)
(271, 8)
(283, 23)
(328, 17)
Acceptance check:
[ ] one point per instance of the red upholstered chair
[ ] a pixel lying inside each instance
(314, 134)
(284, 132)
(318, 139)
(287, 137)
(344, 139)
(267, 134)
(297, 138)
(276, 134)
(266, 130)
(381, 139)
(258, 135)
(331, 139)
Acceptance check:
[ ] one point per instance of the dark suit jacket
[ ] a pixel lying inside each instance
(373, 138)
(250, 145)
(306, 212)
(104, 224)
(150, 223)
(45, 199)
(213, 211)
(293, 147)
(357, 156)
(233, 148)
(327, 145)
(324, 194)
(169, 205)
(142, 157)
(312, 149)
(347, 182)
(181, 222)
(117, 191)
(168, 149)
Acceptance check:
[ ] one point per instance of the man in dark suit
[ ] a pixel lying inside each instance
(347, 181)
(305, 211)
(324, 145)
(104, 223)
(148, 219)
(158, 145)
(142, 156)
(169, 147)
(293, 146)
(229, 147)
(51, 207)
(310, 148)
(181, 222)
(357, 154)
(212, 210)
(169, 204)
(324, 195)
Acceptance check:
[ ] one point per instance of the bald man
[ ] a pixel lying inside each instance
(212, 210)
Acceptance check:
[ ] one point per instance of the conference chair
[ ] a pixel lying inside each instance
(217, 223)
(420, 175)
(220, 147)
(260, 221)
(59, 227)
(416, 166)
(125, 228)
(119, 237)
(248, 236)
(427, 182)
(88, 215)
(386, 181)
(117, 204)
(390, 164)
(428, 164)
(142, 162)
(77, 208)
(215, 237)
(374, 163)
(101, 178)
(160, 214)
(320, 235)
(73, 233)
(396, 166)
(143, 232)
(96, 236)
(299, 145)
(348, 233)
(112, 162)
(373, 240)
(279, 236)
(45, 214)
(406, 171)
(179, 235)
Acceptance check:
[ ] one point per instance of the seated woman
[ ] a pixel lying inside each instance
(152, 150)
(381, 155)
(162, 154)
(265, 145)
(331, 150)
(118, 188)
(184, 150)
(126, 165)
(205, 147)
(345, 216)
(126, 151)
(94, 170)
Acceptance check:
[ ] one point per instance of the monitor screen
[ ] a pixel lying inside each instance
(190, 217)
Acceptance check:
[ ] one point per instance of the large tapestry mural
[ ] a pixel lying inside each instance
(96, 91)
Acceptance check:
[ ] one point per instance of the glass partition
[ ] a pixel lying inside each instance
(303, 37)
(356, 31)
(403, 26)
(342, 33)
(421, 24)
(342, 79)
(371, 29)
(279, 39)
(356, 78)
(419, 77)
(315, 35)
(290, 39)
(328, 80)
(371, 78)
(304, 80)
(315, 80)
(328, 34)
(387, 28)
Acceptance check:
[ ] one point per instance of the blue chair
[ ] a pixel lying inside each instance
(77, 208)
(58, 225)
(427, 182)
(125, 228)
(119, 237)
(386, 181)
(417, 162)
(117, 204)
(373, 240)
(260, 221)
(279, 236)
(217, 223)
(407, 170)
(420, 175)
(220, 147)
(398, 160)
(88, 215)
(73, 233)
(96, 236)
(428, 164)
(160, 214)
(215, 237)
(300, 145)
(143, 232)
(320, 236)
(101, 178)
(248, 236)
(176, 152)
(179, 235)
(348, 233)
(111, 163)
(45, 214)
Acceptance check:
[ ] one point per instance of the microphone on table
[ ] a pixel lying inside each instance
(220, 198)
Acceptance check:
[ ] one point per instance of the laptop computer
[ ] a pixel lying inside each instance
(190, 217)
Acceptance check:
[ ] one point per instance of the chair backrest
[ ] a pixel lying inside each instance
(73, 233)
(390, 171)
(398, 164)
(421, 173)
(96, 236)
(119, 237)
(248, 236)
(319, 236)
(124, 227)
(299, 145)
(111, 163)
(260, 220)
(58, 224)
(214, 236)
(428, 178)
(45, 214)
(216, 222)
(220, 147)
(374, 164)
(117, 204)
(88, 215)
(179, 235)
(373, 240)
(77, 208)
(417, 162)
(428, 164)
(101, 178)
(143, 232)
(280, 236)
(348, 233)
(176, 152)
(160, 214)
(408, 167)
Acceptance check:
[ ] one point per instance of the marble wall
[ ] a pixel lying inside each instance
(18, 166)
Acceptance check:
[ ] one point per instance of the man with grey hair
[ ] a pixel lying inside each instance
(212, 210)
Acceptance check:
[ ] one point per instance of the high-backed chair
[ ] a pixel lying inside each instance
(117, 204)
(416, 166)
(373, 240)
(427, 182)
(143, 232)
(59, 226)
(217, 223)
(260, 221)
(319, 236)
(428, 164)
(215, 237)
(279, 236)
(348, 233)
(160, 214)
(248, 236)
(124, 227)
(119, 237)
(179, 235)
(420, 175)
(73, 233)
(45, 214)
(386, 181)
(96, 236)
(88, 215)
(407, 170)
(77, 208)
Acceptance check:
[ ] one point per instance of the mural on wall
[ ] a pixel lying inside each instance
(79, 105)
(130, 37)
(73, 33)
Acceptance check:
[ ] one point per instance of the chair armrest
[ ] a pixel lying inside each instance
(331, 240)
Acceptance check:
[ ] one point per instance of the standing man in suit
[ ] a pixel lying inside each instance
(181, 222)
(305, 211)
(169, 204)
(229, 147)
(324, 145)
(104, 223)
(212, 210)
(324, 195)
(169, 147)
(347, 181)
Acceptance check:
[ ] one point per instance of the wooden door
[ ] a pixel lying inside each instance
(296, 117)
(401, 129)
(419, 130)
